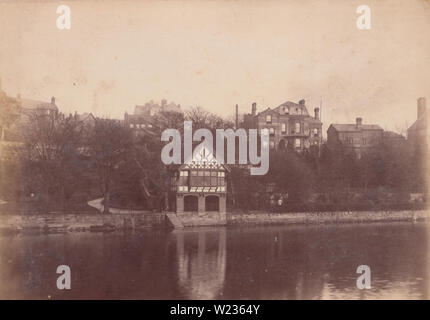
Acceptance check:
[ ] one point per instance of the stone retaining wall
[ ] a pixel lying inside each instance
(81, 222)
(107, 222)
(326, 217)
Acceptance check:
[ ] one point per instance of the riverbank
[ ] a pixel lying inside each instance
(327, 217)
(97, 222)
(81, 222)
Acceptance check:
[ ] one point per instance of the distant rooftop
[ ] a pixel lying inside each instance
(355, 128)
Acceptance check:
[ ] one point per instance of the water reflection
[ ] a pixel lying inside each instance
(289, 262)
(201, 260)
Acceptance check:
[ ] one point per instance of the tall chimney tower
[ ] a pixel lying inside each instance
(254, 108)
(421, 107)
(237, 116)
(317, 113)
(358, 122)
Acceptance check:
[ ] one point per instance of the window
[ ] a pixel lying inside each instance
(283, 128)
(297, 127)
(315, 132)
(214, 178)
(193, 178)
(287, 110)
(184, 173)
(131, 125)
(149, 125)
(269, 118)
(272, 144)
(364, 141)
(221, 176)
(271, 131)
(297, 143)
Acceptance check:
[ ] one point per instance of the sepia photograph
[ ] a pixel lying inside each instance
(214, 155)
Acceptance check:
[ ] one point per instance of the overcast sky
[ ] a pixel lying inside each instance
(221, 53)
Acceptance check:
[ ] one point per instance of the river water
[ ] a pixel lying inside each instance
(282, 262)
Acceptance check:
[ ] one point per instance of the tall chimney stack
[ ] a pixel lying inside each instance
(254, 108)
(421, 107)
(53, 100)
(237, 116)
(317, 113)
(358, 122)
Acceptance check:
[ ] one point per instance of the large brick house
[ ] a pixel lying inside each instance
(355, 138)
(290, 125)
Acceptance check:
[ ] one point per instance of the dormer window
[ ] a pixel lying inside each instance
(269, 118)
(315, 132)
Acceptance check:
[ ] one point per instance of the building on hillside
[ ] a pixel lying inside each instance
(355, 138)
(419, 140)
(394, 140)
(200, 185)
(144, 116)
(151, 109)
(10, 114)
(32, 107)
(419, 131)
(20, 111)
(290, 125)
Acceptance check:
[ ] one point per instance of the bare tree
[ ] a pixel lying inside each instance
(110, 146)
(51, 145)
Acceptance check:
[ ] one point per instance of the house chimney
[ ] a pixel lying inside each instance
(317, 113)
(53, 100)
(302, 102)
(237, 116)
(254, 108)
(358, 122)
(421, 107)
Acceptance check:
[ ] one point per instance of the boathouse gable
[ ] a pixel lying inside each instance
(200, 184)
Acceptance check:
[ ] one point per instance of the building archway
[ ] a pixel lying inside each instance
(212, 203)
(191, 203)
(282, 144)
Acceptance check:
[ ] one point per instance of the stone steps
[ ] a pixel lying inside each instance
(175, 221)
